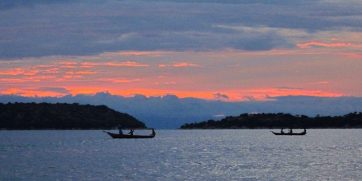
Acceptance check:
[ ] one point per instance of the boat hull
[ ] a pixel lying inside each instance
(127, 136)
(289, 134)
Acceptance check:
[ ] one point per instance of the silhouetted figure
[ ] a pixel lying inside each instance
(131, 132)
(281, 131)
(120, 129)
(291, 131)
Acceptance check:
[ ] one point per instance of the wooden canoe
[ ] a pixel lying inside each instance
(290, 134)
(127, 136)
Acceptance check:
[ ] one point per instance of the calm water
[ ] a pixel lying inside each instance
(181, 155)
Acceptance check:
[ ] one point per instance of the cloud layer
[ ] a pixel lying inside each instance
(221, 75)
(41, 28)
(217, 50)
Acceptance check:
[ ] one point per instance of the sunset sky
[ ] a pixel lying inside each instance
(231, 50)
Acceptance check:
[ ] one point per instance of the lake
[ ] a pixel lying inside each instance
(329, 154)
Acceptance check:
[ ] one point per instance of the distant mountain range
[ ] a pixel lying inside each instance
(171, 112)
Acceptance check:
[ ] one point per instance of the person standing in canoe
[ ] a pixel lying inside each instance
(120, 129)
(131, 131)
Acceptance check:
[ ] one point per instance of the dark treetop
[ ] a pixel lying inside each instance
(280, 120)
(63, 116)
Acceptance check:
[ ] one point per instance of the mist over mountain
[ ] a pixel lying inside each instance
(171, 112)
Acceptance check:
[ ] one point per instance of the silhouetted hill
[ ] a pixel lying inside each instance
(62, 116)
(280, 120)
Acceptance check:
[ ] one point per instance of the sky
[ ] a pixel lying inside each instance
(230, 50)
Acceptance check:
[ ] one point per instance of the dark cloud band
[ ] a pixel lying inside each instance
(40, 28)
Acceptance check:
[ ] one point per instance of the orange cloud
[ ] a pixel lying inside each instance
(77, 74)
(115, 80)
(323, 44)
(30, 79)
(113, 64)
(166, 83)
(19, 71)
(298, 92)
(179, 65)
(231, 95)
(83, 73)
(85, 90)
(185, 64)
(126, 64)
(88, 64)
(267, 93)
(16, 71)
(68, 64)
(11, 80)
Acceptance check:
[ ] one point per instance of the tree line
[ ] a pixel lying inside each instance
(280, 120)
(63, 116)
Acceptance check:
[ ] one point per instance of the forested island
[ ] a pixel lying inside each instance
(279, 120)
(63, 116)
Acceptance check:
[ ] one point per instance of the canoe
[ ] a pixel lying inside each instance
(290, 134)
(125, 136)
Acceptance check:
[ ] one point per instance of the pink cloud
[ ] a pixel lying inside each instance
(268, 93)
(12, 80)
(19, 71)
(166, 83)
(139, 53)
(353, 55)
(80, 73)
(68, 64)
(323, 44)
(126, 64)
(113, 64)
(118, 80)
(179, 65)
(185, 64)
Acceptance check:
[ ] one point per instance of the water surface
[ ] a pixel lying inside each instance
(181, 155)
